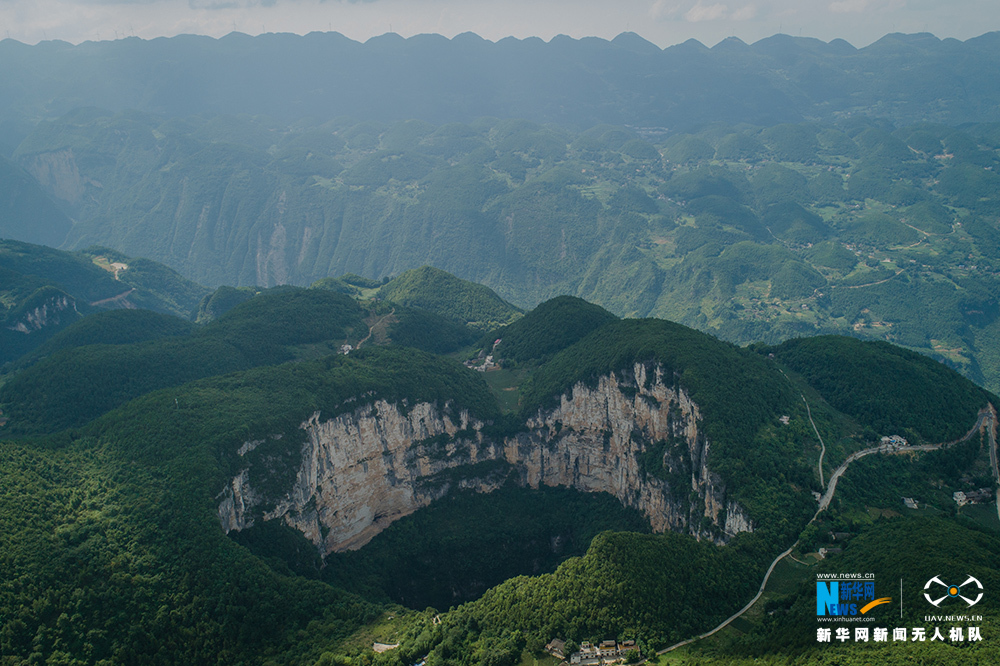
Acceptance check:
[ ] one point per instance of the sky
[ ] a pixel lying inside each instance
(663, 22)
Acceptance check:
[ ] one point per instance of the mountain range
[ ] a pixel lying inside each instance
(441, 351)
(324, 470)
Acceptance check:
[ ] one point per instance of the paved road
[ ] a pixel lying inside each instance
(822, 451)
(987, 418)
(738, 613)
(991, 432)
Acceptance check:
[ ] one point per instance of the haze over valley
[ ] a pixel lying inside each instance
(445, 351)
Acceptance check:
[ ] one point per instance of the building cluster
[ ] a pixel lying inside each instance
(484, 365)
(981, 496)
(604, 653)
(487, 364)
(892, 443)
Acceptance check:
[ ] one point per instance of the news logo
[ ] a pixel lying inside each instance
(971, 587)
(843, 598)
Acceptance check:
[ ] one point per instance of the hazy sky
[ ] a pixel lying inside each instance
(663, 22)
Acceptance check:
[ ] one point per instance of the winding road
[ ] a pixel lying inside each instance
(822, 450)
(987, 418)
(371, 329)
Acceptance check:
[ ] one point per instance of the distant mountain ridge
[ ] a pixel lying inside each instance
(572, 82)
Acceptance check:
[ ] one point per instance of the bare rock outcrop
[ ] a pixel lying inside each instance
(635, 435)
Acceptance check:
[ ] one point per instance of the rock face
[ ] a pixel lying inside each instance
(58, 172)
(636, 435)
(47, 313)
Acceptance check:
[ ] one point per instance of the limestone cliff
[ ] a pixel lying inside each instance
(635, 435)
(57, 171)
(48, 312)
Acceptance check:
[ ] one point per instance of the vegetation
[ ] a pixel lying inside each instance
(112, 327)
(27, 212)
(43, 291)
(76, 384)
(891, 389)
(445, 295)
(106, 524)
(550, 328)
(488, 537)
(430, 332)
(855, 226)
(857, 221)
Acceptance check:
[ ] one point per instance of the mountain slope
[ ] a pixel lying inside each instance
(76, 384)
(44, 290)
(133, 506)
(854, 227)
(549, 328)
(443, 294)
(27, 212)
(573, 82)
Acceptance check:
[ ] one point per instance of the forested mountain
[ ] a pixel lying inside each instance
(27, 212)
(574, 83)
(42, 291)
(469, 436)
(645, 426)
(753, 233)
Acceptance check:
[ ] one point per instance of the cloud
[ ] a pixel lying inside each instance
(849, 6)
(663, 9)
(746, 13)
(700, 13)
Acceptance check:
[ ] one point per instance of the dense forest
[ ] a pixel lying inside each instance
(112, 550)
(753, 233)
(469, 346)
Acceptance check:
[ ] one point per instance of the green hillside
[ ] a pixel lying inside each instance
(113, 523)
(892, 389)
(76, 384)
(910, 550)
(550, 328)
(44, 290)
(117, 518)
(854, 226)
(448, 296)
(459, 548)
(111, 327)
(430, 332)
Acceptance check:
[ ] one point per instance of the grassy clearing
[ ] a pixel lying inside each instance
(504, 384)
(985, 515)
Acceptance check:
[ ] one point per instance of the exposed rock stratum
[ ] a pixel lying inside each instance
(362, 470)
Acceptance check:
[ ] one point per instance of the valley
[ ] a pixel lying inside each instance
(438, 351)
(320, 468)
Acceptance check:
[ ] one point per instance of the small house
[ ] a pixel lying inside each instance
(557, 648)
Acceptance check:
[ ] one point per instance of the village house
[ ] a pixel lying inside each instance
(587, 656)
(981, 496)
(606, 653)
(892, 443)
(608, 649)
(557, 648)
